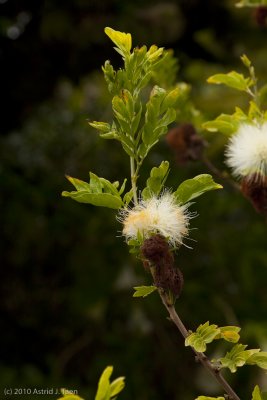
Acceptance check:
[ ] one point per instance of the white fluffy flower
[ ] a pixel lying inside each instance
(159, 215)
(247, 151)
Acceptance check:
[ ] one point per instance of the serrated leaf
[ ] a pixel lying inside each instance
(204, 334)
(233, 79)
(192, 188)
(156, 180)
(143, 291)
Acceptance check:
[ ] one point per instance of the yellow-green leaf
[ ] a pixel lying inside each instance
(143, 291)
(192, 188)
(121, 39)
(229, 333)
(233, 79)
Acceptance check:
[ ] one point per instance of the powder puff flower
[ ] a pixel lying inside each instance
(157, 215)
(247, 152)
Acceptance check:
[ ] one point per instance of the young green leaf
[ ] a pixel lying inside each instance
(209, 398)
(225, 123)
(192, 188)
(103, 391)
(99, 192)
(251, 3)
(121, 39)
(156, 180)
(68, 395)
(258, 395)
(143, 291)
(117, 386)
(259, 359)
(204, 334)
(237, 357)
(233, 79)
(229, 333)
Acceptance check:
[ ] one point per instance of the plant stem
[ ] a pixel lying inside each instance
(133, 180)
(201, 357)
(220, 174)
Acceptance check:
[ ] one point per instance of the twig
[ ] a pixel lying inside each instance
(201, 357)
(219, 174)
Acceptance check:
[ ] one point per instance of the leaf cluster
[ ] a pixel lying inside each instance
(238, 356)
(109, 390)
(206, 333)
(98, 192)
(229, 123)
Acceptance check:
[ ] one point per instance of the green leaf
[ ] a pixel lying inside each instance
(67, 395)
(204, 334)
(256, 394)
(78, 183)
(254, 112)
(233, 79)
(229, 333)
(245, 60)
(237, 357)
(224, 123)
(263, 94)
(101, 126)
(192, 188)
(103, 391)
(259, 359)
(251, 3)
(117, 386)
(154, 53)
(172, 98)
(121, 39)
(156, 180)
(101, 199)
(209, 398)
(143, 291)
(99, 192)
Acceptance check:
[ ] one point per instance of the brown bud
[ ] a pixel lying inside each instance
(186, 144)
(157, 251)
(255, 190)
(260, 15)
(169, 278)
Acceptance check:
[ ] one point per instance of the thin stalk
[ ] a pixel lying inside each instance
(201, 357)
(133, 180)
(220, 174)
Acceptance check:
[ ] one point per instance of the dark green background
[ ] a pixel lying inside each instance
(66, 277)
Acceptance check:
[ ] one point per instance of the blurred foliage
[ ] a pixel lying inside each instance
(66, 280)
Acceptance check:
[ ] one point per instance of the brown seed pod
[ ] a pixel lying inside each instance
(260, 16)
(156, 250)
(186, 144)
(255, 190)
